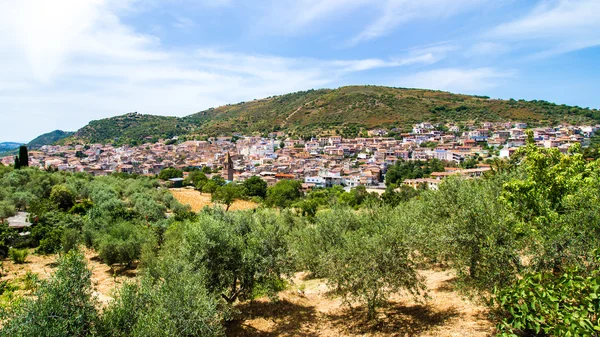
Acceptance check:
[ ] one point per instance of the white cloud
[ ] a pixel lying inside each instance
(398, 12)
(557, 26)
(298, 16)
(456, 79)
(301, 16)
(81, 62)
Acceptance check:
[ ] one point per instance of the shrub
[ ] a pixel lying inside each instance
(63, 306)
(18, 255)
(70, 239)
(173, 302)
(364, 256)
(122, 244)
(62, 197)
(544, 304)
(51, 243)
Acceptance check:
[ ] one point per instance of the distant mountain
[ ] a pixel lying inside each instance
(49, 138)
(7, 146)
(346, 110)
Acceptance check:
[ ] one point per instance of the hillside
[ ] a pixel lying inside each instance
(347, 109)
(7, 146)
(49, 138)
(132, 128)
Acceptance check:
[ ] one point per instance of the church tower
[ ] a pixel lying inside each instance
(228, 168)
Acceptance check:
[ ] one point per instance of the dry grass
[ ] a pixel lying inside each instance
(104, 279)
(197, 200)
(311, 312)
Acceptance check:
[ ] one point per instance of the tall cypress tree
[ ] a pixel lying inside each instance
(17, 163)
(23, 156)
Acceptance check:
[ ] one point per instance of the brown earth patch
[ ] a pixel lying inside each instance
(198, 201)
(307, 310)
(104, 278)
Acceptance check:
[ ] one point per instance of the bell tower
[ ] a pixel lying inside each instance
(228, 168)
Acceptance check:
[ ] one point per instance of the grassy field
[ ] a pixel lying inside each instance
(197, 200)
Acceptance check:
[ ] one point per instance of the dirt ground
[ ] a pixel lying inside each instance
(306, 310)
(197, 200)
(104, 279)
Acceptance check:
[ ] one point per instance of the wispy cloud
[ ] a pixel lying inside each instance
(302, 16)
(456, 79)
(84, 63)
(394, 13)
(555, 26)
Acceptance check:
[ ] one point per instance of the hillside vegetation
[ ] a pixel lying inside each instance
(132, 128)
(49, 138)
(349, 110)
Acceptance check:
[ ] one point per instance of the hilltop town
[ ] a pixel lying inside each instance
(318, 162)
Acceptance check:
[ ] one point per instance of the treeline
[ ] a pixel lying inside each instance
(523, 239)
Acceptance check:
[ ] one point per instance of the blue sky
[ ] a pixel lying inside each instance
(66, 62)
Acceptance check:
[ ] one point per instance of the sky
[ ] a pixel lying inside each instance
(66, 62)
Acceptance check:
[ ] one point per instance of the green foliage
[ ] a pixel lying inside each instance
(19, 256)
(132, 129)
(543, 304)
(365, 256)
(173, 302)
(7, 236)
(63, 305)
(71, 237)
(284, 193)
(238, 251)
(411, 169)
(49, 138)
(255, 187)
(394, 195)
(196, 179)
(227, 194)
(466, 225)
(62, 197)
(170, 173)
(7, 209)
(21, 200)
(121, 244)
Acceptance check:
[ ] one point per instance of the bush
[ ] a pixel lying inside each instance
(364, 256)
(544, 304)
(18, 255)
(63, 305)
(62, 197)
(70, 239)
(122, 244)
(51, 243)
(173, 302)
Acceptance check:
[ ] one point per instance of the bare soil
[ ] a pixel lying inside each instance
(104, 278)
(307, 310)
(197, 200)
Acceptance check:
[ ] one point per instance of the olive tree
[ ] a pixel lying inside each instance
(63, 305)
(364, 256)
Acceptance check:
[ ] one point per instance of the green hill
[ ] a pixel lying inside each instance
(347, 110)
(132, 128)
(49, 138)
